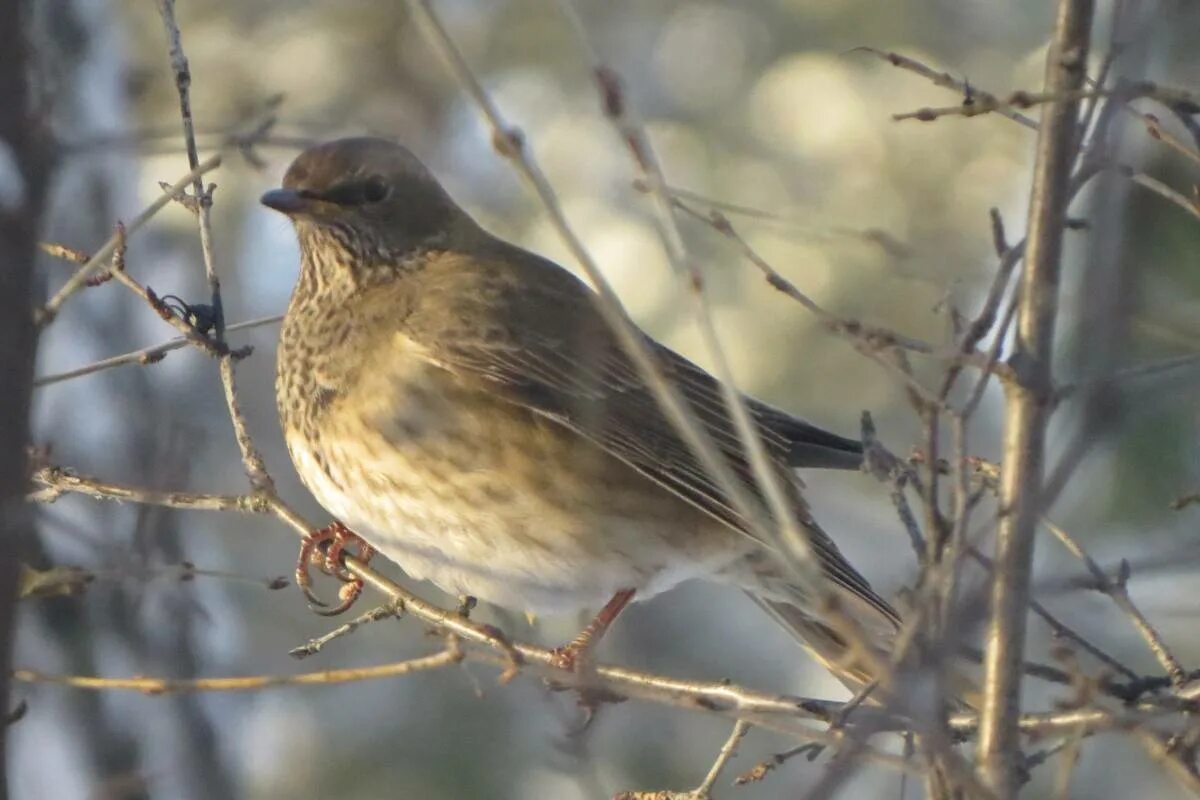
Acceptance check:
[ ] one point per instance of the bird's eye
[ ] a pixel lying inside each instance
(375, 189)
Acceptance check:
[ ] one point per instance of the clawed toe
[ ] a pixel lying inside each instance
(574, 657)
(324, 549)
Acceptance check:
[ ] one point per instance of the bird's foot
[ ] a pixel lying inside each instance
(574, 657)
(324, 549)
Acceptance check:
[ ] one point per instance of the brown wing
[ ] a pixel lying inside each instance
(520, 327)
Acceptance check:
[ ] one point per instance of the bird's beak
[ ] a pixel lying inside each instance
(287, 201)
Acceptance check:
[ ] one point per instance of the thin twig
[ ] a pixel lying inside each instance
(252, 460)
(1118, 590)
(887, 468)
(56, 481)
(68, 581)
(314, 646)
(44, 315)
(985, 320)
(144, 356)
(982, 103)
(1152, 369)
(876, 236)
(704, 790)
(194, 336)
(1160, 752)
(1189, 205)
(1155, 129)
(947, 81)
(246, 683)
(868, 340)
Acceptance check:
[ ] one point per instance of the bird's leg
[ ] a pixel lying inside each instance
(576, 654)
(466, 604)
(324, 549)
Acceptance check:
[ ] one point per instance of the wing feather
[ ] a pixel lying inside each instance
(521, 328)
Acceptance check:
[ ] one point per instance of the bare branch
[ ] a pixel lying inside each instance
(314, 646)
(247, 683)
(144, 356)
(1152, 369)
(56, 481)
(47, 312)
(1029, 401)
(721, 697)
(1119, 592)
(868, 340)
(1155, 128)
(981, 103)
(885, 241)
(191, 333)
(947, 81)
(1190, 205)
(704, 790)
(1160, 752)
(252, 460)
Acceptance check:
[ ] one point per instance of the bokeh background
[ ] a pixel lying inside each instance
(763, 104)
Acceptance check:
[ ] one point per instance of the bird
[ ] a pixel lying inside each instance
(462, 405)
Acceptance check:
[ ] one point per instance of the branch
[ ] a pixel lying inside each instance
(69, 581)
(314, 646)
(866, 339)
(721, 697)
(775, 712)
(45, 315)
(247, 683)
(977, 103)
(889, 244)
(252, 460)
(1161, 752)
(704, 790)
(985, 320)
(1151, 369)
(1119, 592)
(145, 356)
(1155, 129)
(56, 481)
(27, 169)
(1029, 402)
(1190, 205)
(192, 333)
(947, 81)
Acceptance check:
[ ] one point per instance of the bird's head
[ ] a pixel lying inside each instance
(367, 192)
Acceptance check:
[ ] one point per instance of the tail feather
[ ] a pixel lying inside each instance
(849, 664)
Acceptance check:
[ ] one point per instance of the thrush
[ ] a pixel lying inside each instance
(461, 404)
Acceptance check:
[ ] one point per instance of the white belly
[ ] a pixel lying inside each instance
(517, 551)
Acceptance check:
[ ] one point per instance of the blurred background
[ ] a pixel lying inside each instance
(763, 104)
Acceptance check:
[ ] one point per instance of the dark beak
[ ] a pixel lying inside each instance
(287, 201)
